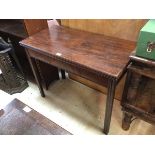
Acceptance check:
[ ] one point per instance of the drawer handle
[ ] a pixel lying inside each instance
(150, 46)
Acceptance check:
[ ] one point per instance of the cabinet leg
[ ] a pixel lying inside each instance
(126, 121)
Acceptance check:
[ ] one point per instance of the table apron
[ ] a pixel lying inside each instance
(72, 68)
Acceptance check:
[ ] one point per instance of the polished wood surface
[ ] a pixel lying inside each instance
(120, 28)
(102, 54)
(15, 120)
(33, 26)
(98, 58)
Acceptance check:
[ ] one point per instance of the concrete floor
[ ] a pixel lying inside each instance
(77, 108)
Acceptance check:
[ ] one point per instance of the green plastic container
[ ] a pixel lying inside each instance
(146, 41)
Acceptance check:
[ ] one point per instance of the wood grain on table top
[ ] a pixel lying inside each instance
(101, 53)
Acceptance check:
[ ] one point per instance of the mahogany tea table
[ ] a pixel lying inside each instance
(95, 57)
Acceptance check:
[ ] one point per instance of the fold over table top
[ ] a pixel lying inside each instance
(106, 55)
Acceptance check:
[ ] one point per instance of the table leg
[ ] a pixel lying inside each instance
(109, 104)
(36, 74)
(40, 73)
(63, 74)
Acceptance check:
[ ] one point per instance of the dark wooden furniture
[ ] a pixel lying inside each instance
(120, 28)
(19, 119)
(139, 92)
(33, 26)
(18, 29)
(95, 57)
(13, 28)
(15, 31)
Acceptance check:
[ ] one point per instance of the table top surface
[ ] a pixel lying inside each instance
(106, 55)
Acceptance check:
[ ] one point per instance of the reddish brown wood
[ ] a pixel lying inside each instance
(120, 28)
(73, 68)
(106, 55)
(33, 26)
(98, 58)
